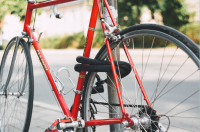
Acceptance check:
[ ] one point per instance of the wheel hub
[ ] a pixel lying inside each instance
(146, 120)
(153, 119)
(143, 120)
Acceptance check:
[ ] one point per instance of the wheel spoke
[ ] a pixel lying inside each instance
(175, 86)
(166, 69)
(172, 77)
(185, 111)
(125, 97)
(160, 70)
(148, 59)
(13, 111)
(181, 102)
(179, 127)
(159, 73)
(106, 102)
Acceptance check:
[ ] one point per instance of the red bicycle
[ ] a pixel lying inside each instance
(168, 102)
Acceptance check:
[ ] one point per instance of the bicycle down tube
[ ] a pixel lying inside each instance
(86, 53)
(42, 59)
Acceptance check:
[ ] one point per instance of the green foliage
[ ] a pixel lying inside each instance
(3, 10)
(50, 42)
(175, 13)
(192, 31)
(132, 9)
(126, 12)
(13, 7)
(98, 40)
(17, 7)
(76, 40)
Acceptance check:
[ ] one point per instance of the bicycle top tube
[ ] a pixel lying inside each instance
(46, 3)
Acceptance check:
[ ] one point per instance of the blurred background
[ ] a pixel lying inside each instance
(68, 34)
(63, 39)
(70, 31)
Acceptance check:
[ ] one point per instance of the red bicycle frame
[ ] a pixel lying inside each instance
(87, 49)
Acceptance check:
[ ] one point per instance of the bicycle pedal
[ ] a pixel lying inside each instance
(59, 84)
(71, 126)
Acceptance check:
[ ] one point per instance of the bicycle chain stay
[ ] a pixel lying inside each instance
(126, 120)
(62, 124)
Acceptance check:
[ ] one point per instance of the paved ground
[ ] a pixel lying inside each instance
(43, 116)
(45, 110)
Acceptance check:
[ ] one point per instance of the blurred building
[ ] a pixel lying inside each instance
(76, 16)
(11, 27)
(193, 6)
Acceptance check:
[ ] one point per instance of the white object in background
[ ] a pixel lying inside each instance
(1, 38)
(107, 16)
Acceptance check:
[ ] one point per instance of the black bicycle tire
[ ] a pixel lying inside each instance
(168, 30)
(161, 28)
(24, 45)
(188, 43)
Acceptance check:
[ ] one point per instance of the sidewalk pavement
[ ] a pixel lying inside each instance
(43, 116)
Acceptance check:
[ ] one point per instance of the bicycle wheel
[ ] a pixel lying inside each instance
(167, 63)
(17, 87)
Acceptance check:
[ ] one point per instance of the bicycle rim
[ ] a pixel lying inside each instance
(168, 70)
(16, 102)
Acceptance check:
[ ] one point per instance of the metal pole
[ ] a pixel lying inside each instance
(113, 97)
(112, 94)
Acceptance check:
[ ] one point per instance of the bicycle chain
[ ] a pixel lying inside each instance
(114, 104)
(151, 112)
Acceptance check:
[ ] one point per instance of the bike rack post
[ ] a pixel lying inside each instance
(112, 94)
